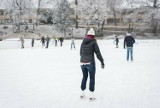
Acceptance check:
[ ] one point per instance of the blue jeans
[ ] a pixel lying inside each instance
(88, 69)
(130, 53)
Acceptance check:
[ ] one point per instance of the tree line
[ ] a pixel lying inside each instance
(93, 12)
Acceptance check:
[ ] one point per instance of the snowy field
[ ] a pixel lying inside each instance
(50, 78)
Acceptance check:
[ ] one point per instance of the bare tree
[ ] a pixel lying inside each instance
(61, 12)
(154, 21)
(40, 5)
(92, 13)
(155, 3)
(21, 10)
(114, 7)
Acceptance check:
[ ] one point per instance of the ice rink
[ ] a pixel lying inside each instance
(50, 78)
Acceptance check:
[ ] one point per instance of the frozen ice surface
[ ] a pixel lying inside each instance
(50, 78)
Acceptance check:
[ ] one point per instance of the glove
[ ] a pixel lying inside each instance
(102, 65)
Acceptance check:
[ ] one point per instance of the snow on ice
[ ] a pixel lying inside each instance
(50, 78)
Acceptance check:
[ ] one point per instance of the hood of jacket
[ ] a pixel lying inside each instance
(88, 39)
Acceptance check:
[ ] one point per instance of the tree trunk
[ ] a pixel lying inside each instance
(103, 25)
(100, 30)
(115, 20)
(76, 21)
(155, 3)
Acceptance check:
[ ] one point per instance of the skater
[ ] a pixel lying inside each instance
(47, 41)
(117, 41)
(61, 41)
(32, 42)
(128, 42)
(43, 41)
(55, 40)
(26, 28)
(22, 42)
(89, 46)
(72, 43)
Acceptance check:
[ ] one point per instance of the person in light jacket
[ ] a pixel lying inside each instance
(72, 43)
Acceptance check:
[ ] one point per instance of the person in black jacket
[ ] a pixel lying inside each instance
(32, 42)
(22, 42)
(117, 41)
(47, 41)
(128, 42)
(61, 41)
(43, 41)
(89, 46)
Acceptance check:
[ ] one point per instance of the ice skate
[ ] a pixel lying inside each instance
(91, 96)
(82, 96)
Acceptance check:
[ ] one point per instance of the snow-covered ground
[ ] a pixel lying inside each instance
(50, 78)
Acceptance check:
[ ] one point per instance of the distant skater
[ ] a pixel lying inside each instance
(22, 42)
(72, 43)
(32, 42)
(128, 42)
(47, 41)
(117, 41)
(61, 41)
(43, 41)
(55, 40)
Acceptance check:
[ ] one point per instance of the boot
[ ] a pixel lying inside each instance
(91, 96)
(82, 94)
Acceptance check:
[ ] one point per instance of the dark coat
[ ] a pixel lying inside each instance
(61, 39)
(43, 40)
(89, 46)
(129, 41)
(117, 40)
(47, 39)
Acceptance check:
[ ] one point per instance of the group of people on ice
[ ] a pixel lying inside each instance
(44, 40)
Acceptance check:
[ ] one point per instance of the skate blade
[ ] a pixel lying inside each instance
(92, 99)
(82, 97)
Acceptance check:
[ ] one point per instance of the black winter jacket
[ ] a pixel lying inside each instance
(129, 41)
(89, 46)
